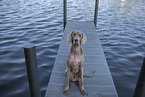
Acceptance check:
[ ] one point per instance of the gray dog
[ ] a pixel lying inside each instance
(75, 60)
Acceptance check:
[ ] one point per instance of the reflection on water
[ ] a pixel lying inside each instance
(122, 33)
(122, 3)
(121, 29)
(25, 21)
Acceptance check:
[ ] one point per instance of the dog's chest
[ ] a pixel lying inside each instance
(75, 60)
(75, 63)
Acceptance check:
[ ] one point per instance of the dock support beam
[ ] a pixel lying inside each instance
(140, 87)
(32, 70)
(96, 12)
(64, 13)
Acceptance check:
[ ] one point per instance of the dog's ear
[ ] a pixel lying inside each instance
(84, 38)
(69, 37)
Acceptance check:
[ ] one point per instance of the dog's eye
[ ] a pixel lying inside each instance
(79, 35)
(74, 34)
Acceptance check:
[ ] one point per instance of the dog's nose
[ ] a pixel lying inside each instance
(76, 40)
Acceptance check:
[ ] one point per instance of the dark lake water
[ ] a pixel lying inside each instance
(121, 29)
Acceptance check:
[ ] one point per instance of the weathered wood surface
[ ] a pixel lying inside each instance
(101, 84)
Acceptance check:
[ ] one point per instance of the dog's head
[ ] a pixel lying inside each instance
(76, 37)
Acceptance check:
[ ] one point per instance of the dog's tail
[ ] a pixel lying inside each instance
(90, 74)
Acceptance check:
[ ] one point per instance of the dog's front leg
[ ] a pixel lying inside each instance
(67, 82)
(83, 92)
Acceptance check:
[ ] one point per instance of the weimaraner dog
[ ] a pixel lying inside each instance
(75, 61)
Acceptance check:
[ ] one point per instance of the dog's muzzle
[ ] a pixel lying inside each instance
(76, 42)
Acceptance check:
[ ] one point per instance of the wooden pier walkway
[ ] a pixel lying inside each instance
(101, 84)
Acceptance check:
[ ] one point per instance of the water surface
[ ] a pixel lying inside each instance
(121, 29)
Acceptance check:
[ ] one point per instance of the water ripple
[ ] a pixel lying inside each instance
(120, 27)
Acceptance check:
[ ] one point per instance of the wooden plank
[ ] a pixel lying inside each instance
(101, 84)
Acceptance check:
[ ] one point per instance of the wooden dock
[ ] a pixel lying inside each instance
(101, 84)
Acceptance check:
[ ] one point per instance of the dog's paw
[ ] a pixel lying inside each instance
(65, 92)
(83, 92)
